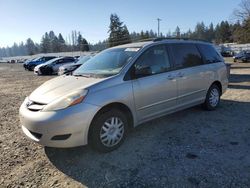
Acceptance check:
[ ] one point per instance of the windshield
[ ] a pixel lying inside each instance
(51, 61)
(83, 59)
(107, 63)
(36, 59)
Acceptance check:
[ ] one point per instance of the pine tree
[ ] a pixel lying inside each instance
(210, 33)
(45, 43)
(177, 32)
(62, 44)
(118, 33)
(31, 48)
(79, 42)
(85, 45)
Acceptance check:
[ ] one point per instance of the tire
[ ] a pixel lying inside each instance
(31, 68)
(46, 70)
(212, 98)
(102, 130)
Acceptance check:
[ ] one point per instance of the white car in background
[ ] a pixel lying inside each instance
(52, 66)
(69, 68)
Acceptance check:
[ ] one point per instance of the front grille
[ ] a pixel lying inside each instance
(37, 135)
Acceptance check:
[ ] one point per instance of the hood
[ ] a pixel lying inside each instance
(60, 86)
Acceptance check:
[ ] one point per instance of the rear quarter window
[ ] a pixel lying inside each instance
(209, 53)
(185, 55)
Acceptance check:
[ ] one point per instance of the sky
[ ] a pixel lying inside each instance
(22, 19)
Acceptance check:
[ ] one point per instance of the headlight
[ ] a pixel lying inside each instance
(66, 101)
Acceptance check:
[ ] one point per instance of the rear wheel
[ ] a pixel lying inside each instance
(108, 130)
(46, 70)
(213, 98)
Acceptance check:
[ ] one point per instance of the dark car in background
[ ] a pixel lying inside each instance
(243, 56)
(69, 68)
(52, 66)
(30, 65)
(246, 57)
(26, 62)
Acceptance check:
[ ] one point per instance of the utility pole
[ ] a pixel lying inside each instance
(158, 19)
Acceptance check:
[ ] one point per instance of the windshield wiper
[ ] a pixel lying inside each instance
(82, 75)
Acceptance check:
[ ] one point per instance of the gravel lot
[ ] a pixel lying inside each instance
(191, 148)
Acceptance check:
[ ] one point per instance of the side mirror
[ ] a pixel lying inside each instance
(142, 72)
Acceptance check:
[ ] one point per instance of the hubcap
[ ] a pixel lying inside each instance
(112, 131)
(214, 97)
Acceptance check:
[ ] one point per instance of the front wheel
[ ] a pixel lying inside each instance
(108, 130)
(31, 68)
(212, 98)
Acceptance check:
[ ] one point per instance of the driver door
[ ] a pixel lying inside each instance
(154, 86)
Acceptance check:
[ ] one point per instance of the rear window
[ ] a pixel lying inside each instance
(186, 55)
(210, 54)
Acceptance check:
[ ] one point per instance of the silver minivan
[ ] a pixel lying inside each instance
(121, 88)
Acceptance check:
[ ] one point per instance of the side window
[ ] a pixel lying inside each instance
(60, 61)
(186, 55)
(68, 60)
(210, 54)
(46, 58)
(153, 61)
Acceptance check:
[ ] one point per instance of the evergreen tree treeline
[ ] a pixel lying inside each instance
(223, 32)
(50, 43)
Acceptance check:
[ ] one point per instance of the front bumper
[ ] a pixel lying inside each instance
(41, 127)
(62, 71)
(37, 71)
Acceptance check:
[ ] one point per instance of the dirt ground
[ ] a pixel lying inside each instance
(191, 148)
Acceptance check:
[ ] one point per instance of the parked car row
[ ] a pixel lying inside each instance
(22, 60)
(30, 64)
(52, 65)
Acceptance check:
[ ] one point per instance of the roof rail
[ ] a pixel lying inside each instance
(146, 40)
(177, 38)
